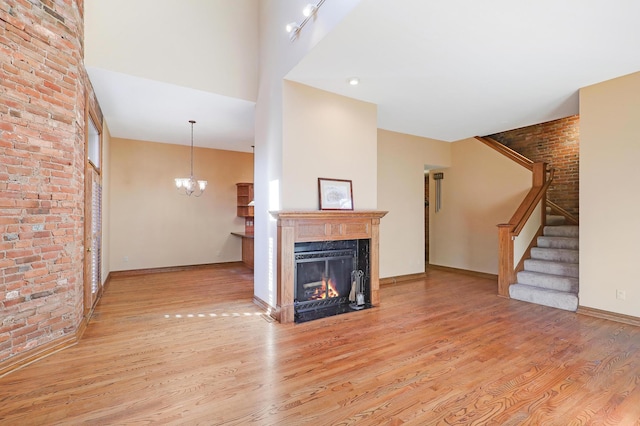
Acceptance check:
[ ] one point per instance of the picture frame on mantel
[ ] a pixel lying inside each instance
(335, 194)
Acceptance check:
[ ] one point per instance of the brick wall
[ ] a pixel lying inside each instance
(43, 85)
(557, 143)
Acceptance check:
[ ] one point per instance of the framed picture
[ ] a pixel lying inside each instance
(335, 194)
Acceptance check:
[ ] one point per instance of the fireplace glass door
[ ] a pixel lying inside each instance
(323, 278)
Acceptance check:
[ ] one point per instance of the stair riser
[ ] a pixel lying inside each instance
(554, 268)
(557, 255)
(559, 242)
(566, 301)
(555, 220)
(551, 282)
(561, 231)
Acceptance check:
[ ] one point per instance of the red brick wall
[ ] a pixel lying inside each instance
(557, 143)
(43, 85)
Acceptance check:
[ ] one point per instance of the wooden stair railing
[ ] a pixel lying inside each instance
(507, 152)
(507, 232)
(556, 209)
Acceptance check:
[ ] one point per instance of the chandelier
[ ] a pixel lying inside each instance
(191, 185)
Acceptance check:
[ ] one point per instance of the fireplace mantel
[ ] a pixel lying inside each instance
(332, 225)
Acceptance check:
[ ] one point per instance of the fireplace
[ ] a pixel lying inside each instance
(330, 278)
(321, 244)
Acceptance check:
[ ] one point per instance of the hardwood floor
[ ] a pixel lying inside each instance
(191, 348)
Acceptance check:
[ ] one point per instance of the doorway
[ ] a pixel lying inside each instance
(426, 218)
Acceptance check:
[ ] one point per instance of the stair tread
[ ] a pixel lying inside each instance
(552, 267)
(561, 230)
(552, 261)
(555, 254)
(547, 290)
(547, 274)
(559, 237)
(548, 281)
(570, 243)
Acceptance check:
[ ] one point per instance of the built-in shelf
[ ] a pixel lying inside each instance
(244, 197)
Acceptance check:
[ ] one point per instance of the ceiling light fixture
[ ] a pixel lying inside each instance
(309, 11)
(292, 27)
(191, 185)
(354, 81)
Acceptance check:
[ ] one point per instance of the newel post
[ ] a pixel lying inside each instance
(505, 259)
(539, 179)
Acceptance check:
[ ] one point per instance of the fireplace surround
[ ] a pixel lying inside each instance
(312, 227)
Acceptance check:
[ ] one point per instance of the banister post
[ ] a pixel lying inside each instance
(505, 259)
(539, 179)
(539, 174)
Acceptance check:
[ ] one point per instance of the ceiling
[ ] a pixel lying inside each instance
(143, 109)
(445, 70)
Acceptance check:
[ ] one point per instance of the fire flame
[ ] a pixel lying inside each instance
(321, 292)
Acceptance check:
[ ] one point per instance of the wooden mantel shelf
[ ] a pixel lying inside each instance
(322, 225)
(314, 214)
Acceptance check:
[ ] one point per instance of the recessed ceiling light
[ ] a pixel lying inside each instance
(354, 81)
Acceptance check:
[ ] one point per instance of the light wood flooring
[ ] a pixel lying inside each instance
(190, 348)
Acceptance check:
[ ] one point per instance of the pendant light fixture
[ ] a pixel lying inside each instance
(191, 185)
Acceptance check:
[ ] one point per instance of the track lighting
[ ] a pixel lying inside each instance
(293, 28)
(309, 10)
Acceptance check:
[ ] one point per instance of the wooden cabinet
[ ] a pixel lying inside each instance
(247, 248)
(247, 251)
(245, 196)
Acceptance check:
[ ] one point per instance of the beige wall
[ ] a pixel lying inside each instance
(401, 162)
(480, 190)
(330, 136)
(152, 225)
(609, 205)
(145, 33)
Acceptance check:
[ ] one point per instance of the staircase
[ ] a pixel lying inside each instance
(550, 276)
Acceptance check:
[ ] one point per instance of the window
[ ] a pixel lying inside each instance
(93, 144)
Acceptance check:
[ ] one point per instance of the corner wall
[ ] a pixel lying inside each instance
(609, 205)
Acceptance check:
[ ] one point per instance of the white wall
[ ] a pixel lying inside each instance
(481, 189)
(143, 43)
(278, 55)
(609, 202)
(401, 162)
